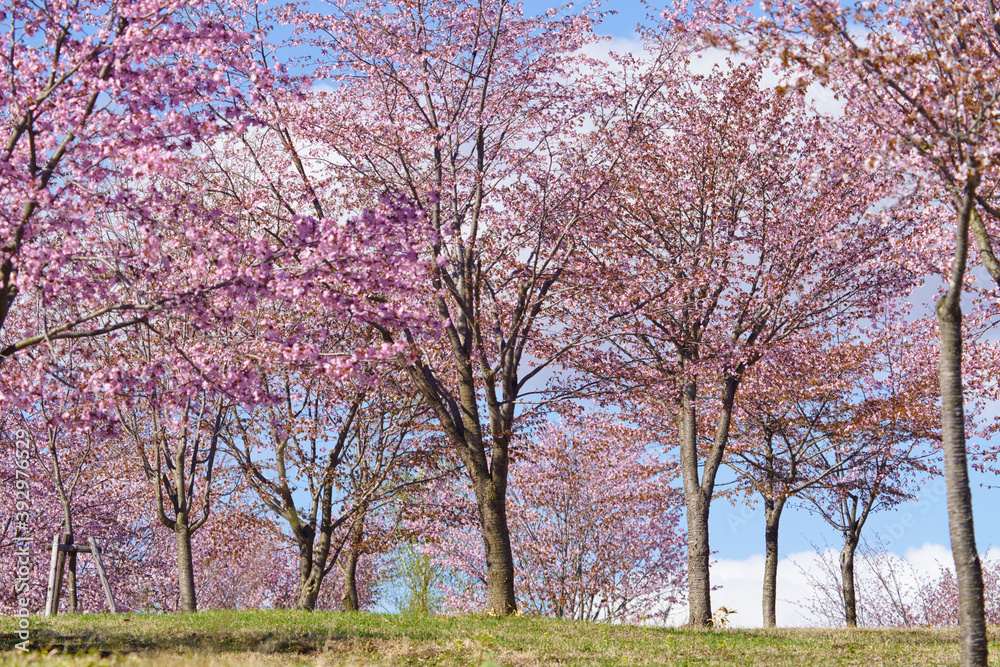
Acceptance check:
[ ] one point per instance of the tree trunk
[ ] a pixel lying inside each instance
(461, 421)
(499, 557)
(308, 593)
(71, 576)
(847, 580)
(459, 417)
(968, 571)
(185, 566)
(698, 553)
(71, 584)
(696, 510)
(350, 596)
(67, 507)
(772, 516)
(350, 567)
(309, 582)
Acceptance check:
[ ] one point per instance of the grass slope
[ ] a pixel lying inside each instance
(230, 638)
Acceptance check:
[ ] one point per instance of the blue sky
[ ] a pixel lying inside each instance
(622, 24)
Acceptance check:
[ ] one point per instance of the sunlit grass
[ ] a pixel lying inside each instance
(252, 638)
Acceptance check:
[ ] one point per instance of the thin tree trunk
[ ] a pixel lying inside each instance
(67, 536)
(185, 565)
(500, 598)
(71, 585)
(968, 570)
(180, 491)
(847, 580)
(71, 576)
(772, 517)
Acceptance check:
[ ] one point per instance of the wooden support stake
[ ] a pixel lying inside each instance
(49, 593)
(58, 578)
(96, 551)
(60, 549)
(74, 549)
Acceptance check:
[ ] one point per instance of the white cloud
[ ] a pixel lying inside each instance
(602, 49)
(705, 61)
(741, 588)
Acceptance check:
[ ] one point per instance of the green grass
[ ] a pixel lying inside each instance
(228, 638)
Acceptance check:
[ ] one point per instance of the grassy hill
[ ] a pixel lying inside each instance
(251, 638)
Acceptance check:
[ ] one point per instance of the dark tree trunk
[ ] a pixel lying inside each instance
(350, 595)
(350, 567)
(499, 557)
(309, 579)
(968, 570)
(487, 469)
(314, 554)
(314, 549)
(698, 491)
(772, 517)
(71, 584)
(71, 577)
(308, 594)
(847, 580)
(185, 565)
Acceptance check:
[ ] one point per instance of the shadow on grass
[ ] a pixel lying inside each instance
(109, 642)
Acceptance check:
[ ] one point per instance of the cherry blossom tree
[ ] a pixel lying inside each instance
(784, 434)
(464, 108)
(923, 76)
(165, 230)
(893, 591)
(709, 268)
(595, 520)
(177, 446)
(597, 523)
(238, 560)
(63, 465)
(880, 482)
(282, 447)
(172, 408)
(940, 597)
(63, 443)
(397, 450)
(852, 409)
(91, 91)
(112, 112)
(343, 448)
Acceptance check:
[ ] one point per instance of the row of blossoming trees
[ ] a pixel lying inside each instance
(292, 304)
